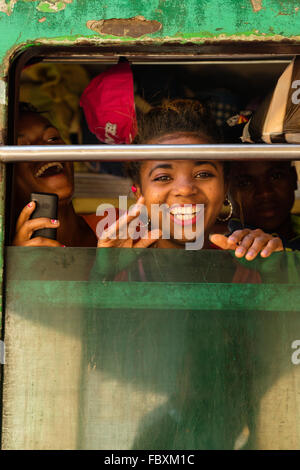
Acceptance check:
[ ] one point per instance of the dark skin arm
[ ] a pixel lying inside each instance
(248, 243)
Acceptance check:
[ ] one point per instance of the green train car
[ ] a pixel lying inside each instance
(175, 362)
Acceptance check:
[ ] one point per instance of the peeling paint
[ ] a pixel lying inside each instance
(70, 27)
(7, 7)
(51, 7)
(132, 27)
(185, 38)
(46, 6)
(256, 5)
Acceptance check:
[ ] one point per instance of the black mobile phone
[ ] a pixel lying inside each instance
(46, 206)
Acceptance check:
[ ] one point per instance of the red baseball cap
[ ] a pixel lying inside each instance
(108, 105)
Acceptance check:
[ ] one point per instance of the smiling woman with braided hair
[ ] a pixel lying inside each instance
(177, 183)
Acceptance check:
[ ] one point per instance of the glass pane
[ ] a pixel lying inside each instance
(151, 349)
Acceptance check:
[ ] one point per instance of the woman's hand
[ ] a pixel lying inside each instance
(25, 228)
(117, 234)
(248, 243)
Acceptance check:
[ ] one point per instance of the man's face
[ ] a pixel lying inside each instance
(263, 192)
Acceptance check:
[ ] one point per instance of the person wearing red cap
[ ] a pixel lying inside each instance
(109, 109)
(108, 105)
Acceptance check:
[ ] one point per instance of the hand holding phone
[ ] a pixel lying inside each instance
(46, 206)
(39, 230)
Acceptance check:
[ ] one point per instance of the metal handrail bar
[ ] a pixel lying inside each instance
(12, 154)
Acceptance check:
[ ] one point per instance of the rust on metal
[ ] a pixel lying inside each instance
(256, 5)
(7, 7)
(132, 27)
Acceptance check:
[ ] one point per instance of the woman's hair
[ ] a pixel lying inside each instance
(180, 116)
(27, 108)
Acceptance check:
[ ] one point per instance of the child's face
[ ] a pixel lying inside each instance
(180, 182)
(265, 192)
(48, 177)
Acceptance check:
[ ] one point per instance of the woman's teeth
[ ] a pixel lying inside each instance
(184, 216)
(45, 167)
(185, 210)
(184, 213)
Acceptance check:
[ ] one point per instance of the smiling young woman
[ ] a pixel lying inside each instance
(50, 177)
(55, 177)
(179, 183)
(182, 185)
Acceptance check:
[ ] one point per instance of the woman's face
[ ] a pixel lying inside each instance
(47, 177)
(180, 182)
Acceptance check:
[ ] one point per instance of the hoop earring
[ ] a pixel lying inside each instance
(227, 202)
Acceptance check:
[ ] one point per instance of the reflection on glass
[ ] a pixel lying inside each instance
(150, 349)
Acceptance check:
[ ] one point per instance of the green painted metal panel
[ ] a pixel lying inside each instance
(25, 23)
(194, 20)
(200, 360)
(164, 296)
(190, 18)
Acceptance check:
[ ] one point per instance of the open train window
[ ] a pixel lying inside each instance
(110, 349)
(53, 81)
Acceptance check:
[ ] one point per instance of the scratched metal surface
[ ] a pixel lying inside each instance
(26, 23)
(98, 22)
